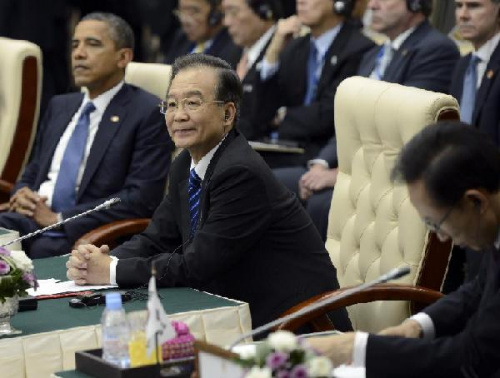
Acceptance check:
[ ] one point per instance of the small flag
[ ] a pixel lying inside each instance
(158, 328)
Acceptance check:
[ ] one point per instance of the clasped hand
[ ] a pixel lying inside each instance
(89, 264)
(31, 204)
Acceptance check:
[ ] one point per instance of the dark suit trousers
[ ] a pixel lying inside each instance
(39, 246)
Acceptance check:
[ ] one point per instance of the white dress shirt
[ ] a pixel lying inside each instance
(101, 102)
(201, 170)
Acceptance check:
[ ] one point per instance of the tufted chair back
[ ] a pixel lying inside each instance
(152, 77)
(373, 227)
(20, 91)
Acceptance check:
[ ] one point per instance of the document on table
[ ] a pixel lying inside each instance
(53, 286)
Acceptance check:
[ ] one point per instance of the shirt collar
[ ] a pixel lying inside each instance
(202, 166)
(485, 51)
(325, 40)
(400, 39)
(102, 101)
(254, 51)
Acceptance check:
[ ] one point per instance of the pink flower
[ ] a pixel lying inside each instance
(276, 360)
(29, 278)
(4, 252)
(4, 268)
(299, 371)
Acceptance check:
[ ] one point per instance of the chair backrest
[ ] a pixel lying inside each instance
(20, 91)
(373, 227)
(152, 77)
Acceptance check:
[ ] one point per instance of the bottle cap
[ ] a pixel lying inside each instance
(113, 301)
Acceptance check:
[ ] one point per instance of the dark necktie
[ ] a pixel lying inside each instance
(468, 100)
(194, 192)
(64, 196)
(312, 74)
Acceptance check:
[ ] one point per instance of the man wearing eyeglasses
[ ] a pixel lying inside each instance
(202, 32)
(227, 226)
(107, 142)
(459, 335)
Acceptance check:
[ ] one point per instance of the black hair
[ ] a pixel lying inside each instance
(266, 9)
(229, 87)
(120, 31)
(450, 157)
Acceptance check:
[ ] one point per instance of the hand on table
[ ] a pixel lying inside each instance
(89, 264)
(338, 348)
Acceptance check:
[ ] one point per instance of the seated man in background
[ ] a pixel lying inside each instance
(202, 32)
(458, 336)
(108, 142)
(251, 25)
(227, 226)
(415, 54)
(299, 77)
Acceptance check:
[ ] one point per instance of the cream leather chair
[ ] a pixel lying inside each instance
(20, 91)
(154, 78)
(373, 227)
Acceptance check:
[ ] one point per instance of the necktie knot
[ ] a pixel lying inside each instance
(88, 108)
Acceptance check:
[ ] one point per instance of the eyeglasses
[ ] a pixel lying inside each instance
(436, 227)
(188, 104)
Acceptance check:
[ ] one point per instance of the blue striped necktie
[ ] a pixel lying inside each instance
(312, 74)
(64, 196)
(468, 100)
(194, 192)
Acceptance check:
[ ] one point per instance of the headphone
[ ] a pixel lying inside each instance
(215, 16)
(266, 9)
(416, 6)
(343, 7)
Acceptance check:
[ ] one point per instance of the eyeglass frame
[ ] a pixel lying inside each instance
(163, 105)
(436, 228)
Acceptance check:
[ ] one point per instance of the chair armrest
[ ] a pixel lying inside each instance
(5, 190)
(319, 321)
(111, 233)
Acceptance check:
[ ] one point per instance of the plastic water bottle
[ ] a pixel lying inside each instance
(115, 332)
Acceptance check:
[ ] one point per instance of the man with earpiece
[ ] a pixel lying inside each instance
(251, 24)
(414, 54)
(202, 31)
(299, 76)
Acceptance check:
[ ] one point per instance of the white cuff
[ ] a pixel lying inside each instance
(112, 270)
(359, 350)
(322, 162)
(59, 217)
(267, 69)
(425, 321)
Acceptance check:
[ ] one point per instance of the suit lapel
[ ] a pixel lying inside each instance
(368, 63)
(113, 117)
(184, 205)
(484, 89)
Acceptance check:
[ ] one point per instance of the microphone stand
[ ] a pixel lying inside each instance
(104, 205)
(391, 275)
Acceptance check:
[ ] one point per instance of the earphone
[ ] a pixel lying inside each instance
(415, 6)
(343, 7)
(215, 16)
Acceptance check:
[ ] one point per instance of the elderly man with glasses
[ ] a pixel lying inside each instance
(227, 226)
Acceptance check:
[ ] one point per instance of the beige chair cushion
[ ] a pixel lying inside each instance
(152, 77)
(13, 55)
(373, 227)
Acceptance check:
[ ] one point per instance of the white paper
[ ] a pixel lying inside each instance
(53, 286)
(345, 371)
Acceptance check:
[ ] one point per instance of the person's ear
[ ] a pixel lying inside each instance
(477, 198)
(125, 57)
(229, 115)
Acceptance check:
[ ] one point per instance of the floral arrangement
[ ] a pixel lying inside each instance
(16, 274)
(284, 355)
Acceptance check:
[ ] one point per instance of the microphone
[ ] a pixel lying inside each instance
(391, 275)
(105, 205)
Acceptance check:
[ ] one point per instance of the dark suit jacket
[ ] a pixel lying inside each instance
(426, 60)
(129, 159)
(486, 114)
(249, 123)
(254, 241)
(467, 342)
(310, 125)
(222, 47)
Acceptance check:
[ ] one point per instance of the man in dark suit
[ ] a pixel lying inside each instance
(227, 225)
(476, 83)
(108, 142)
(299, 77)
(415, 54)
(251, 25)
(202, 32)
(459, 335)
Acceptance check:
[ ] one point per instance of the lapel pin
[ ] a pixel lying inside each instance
(115, 119)
(490, 74)
(404, 52)
(333, 60)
